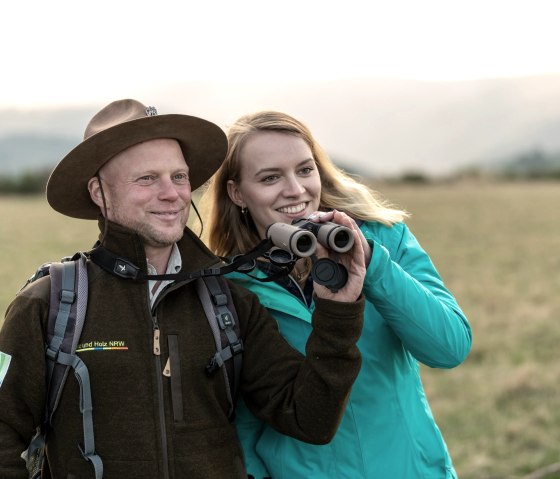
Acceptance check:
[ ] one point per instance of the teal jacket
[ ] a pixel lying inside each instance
(387, 430)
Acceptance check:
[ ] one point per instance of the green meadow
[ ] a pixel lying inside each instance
(497, 246)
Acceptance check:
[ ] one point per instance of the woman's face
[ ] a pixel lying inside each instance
(279, 180)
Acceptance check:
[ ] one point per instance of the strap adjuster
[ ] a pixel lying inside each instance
(236, 347)
(220, 299)
(67, 296)
(52, 354)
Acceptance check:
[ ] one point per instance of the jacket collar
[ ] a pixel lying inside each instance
(129, 244)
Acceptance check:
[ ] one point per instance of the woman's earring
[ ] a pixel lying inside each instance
(245, 216)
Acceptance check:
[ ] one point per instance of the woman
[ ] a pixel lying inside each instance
(276, 172)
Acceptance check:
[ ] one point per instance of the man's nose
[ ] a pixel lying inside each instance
(168, 189)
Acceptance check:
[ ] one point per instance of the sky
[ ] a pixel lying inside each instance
(70, 52)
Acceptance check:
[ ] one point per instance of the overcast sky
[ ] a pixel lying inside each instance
(67, 52)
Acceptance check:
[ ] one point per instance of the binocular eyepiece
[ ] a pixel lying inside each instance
(300, 238)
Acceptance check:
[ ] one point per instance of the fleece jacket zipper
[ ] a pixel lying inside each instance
(159, 375)
(161, 406)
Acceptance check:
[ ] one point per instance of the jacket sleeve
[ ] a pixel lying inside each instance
(302, 397)
(22, 392)
(405, 288)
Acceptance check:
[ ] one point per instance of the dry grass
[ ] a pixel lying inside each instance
(31, 234)
(497, 247)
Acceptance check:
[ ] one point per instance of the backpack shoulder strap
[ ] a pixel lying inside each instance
(222, 317)
(68, 304)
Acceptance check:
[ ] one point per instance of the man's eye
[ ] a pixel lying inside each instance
(181, 178)
(146, 179)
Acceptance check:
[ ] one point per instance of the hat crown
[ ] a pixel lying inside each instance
(116, 113)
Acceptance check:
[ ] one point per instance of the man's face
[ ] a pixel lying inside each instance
(147, 189)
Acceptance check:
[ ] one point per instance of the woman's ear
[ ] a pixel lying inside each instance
(234, 193)
(95, 193)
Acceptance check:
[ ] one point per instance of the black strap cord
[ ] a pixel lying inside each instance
(124, 268)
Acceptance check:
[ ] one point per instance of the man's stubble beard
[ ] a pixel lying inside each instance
(151, 235)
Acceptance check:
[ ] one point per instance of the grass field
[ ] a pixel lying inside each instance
(497, 247)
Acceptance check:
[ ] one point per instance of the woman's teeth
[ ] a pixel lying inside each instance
(292, 209)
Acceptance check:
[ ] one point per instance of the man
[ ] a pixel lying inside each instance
(134, 172)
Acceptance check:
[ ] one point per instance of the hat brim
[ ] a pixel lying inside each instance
(203, 143)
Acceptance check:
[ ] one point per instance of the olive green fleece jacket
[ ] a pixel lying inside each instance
(141, 429)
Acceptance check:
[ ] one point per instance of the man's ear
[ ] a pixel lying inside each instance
(234, 193)
(94, 188)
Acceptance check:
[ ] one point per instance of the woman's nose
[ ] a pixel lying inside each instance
(294, 187)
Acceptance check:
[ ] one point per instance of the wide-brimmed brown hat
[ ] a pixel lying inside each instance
(122, 124)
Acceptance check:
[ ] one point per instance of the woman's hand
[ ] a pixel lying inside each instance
(354, 260)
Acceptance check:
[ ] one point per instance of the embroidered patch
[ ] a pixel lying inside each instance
(102, 346)
(4, 365)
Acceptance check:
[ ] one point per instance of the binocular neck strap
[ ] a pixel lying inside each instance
(124, 268)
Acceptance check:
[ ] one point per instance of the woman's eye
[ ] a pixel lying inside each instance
(269, 179)
(307, 170)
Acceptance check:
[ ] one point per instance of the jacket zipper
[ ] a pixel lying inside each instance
(161, 407)
(159, 375)
(302, 295)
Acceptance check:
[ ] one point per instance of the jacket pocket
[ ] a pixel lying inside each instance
(175, 378)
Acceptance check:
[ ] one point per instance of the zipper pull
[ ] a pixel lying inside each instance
(157, 350)
(167, 368)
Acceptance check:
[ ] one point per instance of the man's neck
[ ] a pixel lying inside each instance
(173, 265)
(159, 257)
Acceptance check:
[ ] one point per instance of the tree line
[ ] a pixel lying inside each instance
(528, 165)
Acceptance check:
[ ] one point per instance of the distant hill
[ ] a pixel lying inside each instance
(533, 163)
(29, 153)
(38, 139)
(371, 126)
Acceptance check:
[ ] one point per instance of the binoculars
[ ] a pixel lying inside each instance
(300, 238)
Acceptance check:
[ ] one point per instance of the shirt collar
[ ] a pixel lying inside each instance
(173, 266)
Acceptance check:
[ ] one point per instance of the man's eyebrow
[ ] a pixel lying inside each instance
(151, 171)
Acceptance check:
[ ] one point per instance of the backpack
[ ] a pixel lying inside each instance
(68, 304)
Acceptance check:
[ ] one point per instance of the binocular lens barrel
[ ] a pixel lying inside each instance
(331, 235)
(300, 238)
(335, 237)
(290, 238)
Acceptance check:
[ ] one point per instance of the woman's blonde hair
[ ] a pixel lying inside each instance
(232, 231)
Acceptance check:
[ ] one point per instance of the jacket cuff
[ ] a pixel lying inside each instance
(338, 317)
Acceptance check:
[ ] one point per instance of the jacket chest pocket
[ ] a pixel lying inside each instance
(194, 398)
(172, 370)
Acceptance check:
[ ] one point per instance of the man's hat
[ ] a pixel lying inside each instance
(122, 124)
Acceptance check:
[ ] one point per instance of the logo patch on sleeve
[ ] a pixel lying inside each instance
(4, 365)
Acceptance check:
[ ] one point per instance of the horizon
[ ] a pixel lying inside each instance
(361, 124)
